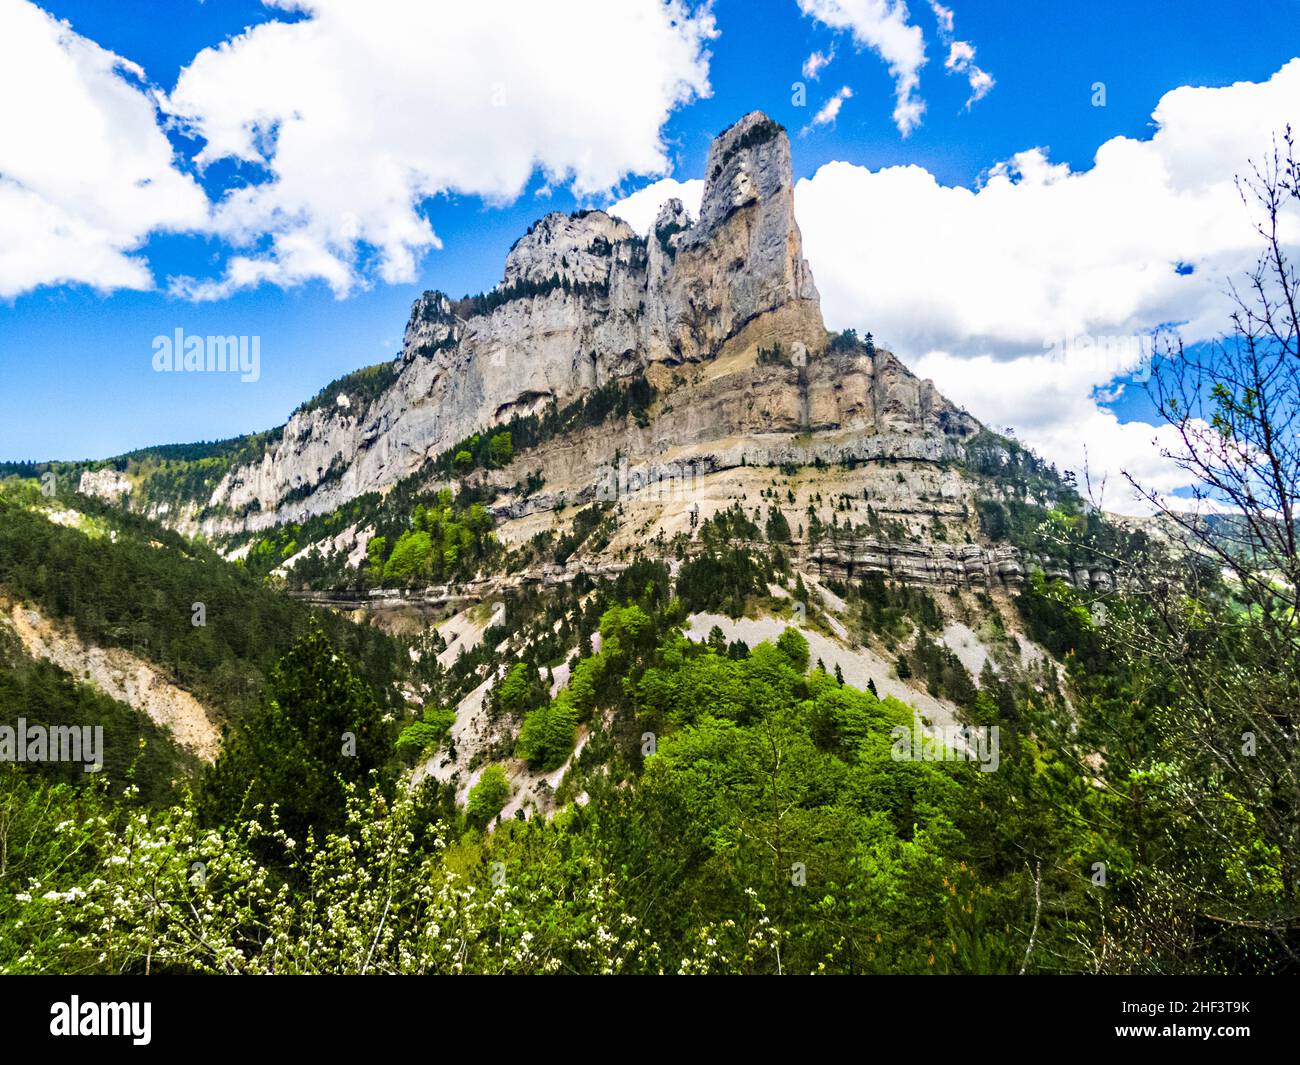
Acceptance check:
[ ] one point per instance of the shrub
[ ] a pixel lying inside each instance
(546, 738)
(428, 733)
(488, 796)
(794, 646)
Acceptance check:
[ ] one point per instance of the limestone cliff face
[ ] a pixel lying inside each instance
(583, 301)
(107, 484)
(742, 259)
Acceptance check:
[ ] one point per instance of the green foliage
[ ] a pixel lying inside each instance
(942, 670)
(427, 734)
(794, 646)
(773, 828)
(548, 733)
(891, 609)
(318, 728)
(729, 525)
(525, 288)
(136, 589)
(411, 560)
(487, 796)
(500, 450)
(445, 541)
(778, 529)
(80, 865)
(519, 691)
(376, 552)
(846, 341)
(583, 524)
(721, 580)
(362, 387)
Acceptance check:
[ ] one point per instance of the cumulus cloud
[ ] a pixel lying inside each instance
(1053, 405)
(346, 119)
(883, 27)
(639, 209)
(85, 171)
(830, 111)
(982, 289)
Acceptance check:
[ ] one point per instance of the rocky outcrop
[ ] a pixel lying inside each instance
(577, 249)
(107, 484)
(584, 301)
(741, 260)
(944, 565)
(431, 327)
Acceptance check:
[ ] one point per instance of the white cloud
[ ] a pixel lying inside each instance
(970, 285)
(960, 53)
(85, 172)
(639, 209)
(981, 83)
(816, 63)
(961, 57)
(883, 27)
(943, 15)
(351, 116)
(1052, 405)
(831, 109)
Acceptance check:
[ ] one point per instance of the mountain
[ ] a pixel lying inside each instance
(694, 354)
(618, 409)
(622, 409)
(619, 402)
(628, 620)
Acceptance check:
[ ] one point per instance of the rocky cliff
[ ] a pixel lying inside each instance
(584, 301)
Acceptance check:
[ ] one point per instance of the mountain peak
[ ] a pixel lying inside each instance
(746, 245)
(574, 247)
(749, 162)
(720, 311)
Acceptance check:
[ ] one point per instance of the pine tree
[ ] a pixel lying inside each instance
(318, 726)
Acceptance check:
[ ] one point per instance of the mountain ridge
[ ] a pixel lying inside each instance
(584, 303)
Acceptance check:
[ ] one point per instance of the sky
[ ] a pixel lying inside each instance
(1011, 196)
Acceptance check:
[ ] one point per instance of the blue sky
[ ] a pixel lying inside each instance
(76, 361)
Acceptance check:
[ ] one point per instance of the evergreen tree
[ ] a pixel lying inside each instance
(318, 727)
